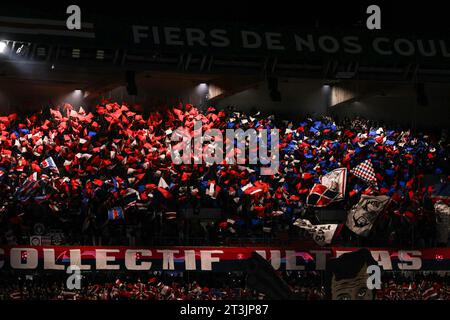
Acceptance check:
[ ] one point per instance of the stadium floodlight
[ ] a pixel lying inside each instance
(202, 87)
(3, 46)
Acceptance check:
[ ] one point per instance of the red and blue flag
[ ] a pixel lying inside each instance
(116, 213)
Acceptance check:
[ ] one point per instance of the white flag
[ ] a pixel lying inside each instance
(336, 181)
(211, 190)
(362, 215)
(322, 234)
(163, 184)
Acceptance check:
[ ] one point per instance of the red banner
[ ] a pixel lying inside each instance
(206, 258)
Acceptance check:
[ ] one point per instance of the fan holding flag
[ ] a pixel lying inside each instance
(50, 164)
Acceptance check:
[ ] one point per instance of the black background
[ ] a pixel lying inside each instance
(295, 310)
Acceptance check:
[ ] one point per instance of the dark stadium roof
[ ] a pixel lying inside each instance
(396, 15)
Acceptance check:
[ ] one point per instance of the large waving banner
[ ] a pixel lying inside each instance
(223, 259)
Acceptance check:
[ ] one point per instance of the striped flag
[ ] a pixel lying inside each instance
(28, 187)
(16, 295)
(130, 198)
(115, 213)
(430, 294)
(170, 215)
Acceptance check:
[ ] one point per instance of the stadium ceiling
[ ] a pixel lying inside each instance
(107, 63)
(396, 16)
(41, 49)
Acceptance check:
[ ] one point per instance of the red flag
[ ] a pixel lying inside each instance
(165, 193)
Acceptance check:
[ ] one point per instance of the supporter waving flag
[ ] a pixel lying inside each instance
(29, 184)
(50, 164)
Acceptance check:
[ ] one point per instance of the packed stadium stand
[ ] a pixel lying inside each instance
(219, 161)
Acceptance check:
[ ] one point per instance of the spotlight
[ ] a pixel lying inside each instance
(77, 94)
(74, 97)
(3, 46)
(326, 88)
(202, 88)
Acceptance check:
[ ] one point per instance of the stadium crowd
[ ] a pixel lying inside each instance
(154, 286)
(305, 286)
(106, 177)
(427, 286)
